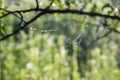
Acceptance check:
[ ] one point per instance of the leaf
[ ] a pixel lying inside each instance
(107, 6)
(2, 31)
(93, 9)
(17, 4)
(56, 1)
(68, 2)
(0, 4)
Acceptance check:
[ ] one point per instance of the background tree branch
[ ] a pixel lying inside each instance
(51, 11)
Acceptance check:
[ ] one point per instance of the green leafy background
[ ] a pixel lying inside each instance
(58, 46)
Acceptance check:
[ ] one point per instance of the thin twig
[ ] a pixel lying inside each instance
(37, 4)
(48, 7)
(99, 38)
(13, 14)
(22, 27)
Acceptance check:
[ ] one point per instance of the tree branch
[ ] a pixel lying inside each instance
(9, 12)
(99, 38)
(104, 35)
(52, 11)
(65, 11)
(37, 4)
(48, 7)
(22, 27)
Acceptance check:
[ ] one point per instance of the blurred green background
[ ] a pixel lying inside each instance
(60, 46)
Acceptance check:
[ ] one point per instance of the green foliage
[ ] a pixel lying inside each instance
(46, 57)
(58, 46)
(31, 60)
(0, 3)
